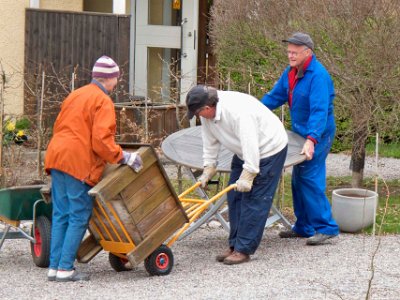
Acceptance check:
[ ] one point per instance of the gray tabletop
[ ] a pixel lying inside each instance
(185, 147)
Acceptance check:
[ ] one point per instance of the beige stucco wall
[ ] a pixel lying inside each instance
(72, 5)
(12, 14)
(12, 31)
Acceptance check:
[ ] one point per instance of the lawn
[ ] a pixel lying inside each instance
(388, 213)
(385, 150)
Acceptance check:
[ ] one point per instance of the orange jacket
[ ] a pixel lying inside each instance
(83, 138)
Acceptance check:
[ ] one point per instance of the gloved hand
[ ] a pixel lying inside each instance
(308, 149)
(208, 174)
(245, 181)
(133, 160)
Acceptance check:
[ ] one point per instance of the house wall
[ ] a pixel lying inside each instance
(12, 35)
(72, 5)
(104, 6)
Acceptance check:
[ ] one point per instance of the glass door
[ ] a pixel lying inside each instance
(166, 52)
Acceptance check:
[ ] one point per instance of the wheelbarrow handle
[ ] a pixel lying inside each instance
(200, 209)
(198, 183)
(189, 190)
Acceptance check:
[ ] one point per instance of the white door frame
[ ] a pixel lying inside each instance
(182, 37)
(190, 24)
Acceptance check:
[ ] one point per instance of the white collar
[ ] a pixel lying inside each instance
(218, 112)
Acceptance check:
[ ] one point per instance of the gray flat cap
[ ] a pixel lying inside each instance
(300, 38)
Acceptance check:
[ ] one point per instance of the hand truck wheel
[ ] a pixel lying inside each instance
(160, 262)
(119, 264)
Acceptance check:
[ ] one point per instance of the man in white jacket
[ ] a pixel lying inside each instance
(256, 136)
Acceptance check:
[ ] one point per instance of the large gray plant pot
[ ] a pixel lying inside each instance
(353, 209)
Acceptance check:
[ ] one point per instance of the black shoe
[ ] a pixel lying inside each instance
(319, 238)
(289, 234)
(75, 276)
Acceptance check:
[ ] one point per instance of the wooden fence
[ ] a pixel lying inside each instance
(65, 45)
(60, 50)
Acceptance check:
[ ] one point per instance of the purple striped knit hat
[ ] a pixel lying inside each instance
(105, 67)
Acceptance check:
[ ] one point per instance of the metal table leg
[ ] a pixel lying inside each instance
(276, 217)
(212, 211)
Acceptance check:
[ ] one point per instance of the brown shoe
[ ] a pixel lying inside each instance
(224, 255)
(236, 258)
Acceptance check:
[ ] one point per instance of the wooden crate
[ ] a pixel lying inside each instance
(134, 213)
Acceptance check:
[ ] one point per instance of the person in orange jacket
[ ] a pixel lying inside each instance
(82, 143)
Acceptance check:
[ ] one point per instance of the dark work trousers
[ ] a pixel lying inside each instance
(248, 212)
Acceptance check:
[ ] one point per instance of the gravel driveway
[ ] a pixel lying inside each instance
(337, 165)
(281, 269)
(386, 168)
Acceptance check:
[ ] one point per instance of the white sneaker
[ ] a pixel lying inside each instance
(64, 276)
(51, 275)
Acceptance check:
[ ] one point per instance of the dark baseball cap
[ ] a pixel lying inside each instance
(198, 97)
(300, 38)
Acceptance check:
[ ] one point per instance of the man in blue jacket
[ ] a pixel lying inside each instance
(308, 88)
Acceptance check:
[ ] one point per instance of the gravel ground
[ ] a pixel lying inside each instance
(386, 168)
(280, 269)
(337, 165)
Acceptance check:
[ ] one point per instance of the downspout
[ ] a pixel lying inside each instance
(119, 7)
(132, 48)
(34, 3)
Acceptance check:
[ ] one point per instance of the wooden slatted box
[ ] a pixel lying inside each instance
(144, 203)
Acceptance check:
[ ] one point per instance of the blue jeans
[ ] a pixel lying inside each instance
(249, 211)
(311, 206)
(72, 208)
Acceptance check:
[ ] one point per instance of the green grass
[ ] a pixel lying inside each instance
(388, 213)
(388, 209)
(385, 150)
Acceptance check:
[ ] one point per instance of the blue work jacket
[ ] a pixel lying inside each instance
(312, 102)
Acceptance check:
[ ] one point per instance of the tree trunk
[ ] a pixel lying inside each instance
(358, 156)
(357, 162)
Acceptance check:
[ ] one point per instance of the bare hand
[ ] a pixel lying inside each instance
(308, 149)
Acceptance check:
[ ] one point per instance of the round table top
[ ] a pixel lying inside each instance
(185, 147)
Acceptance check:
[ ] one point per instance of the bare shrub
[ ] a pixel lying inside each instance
(356, 40)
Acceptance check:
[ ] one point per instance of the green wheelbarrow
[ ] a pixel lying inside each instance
(27, 203)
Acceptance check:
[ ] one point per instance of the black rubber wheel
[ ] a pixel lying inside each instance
(160, 262)
(40, 250)
(118, 263)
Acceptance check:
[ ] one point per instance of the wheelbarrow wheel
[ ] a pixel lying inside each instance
(119, 264)
(160, 262)
(41, 249)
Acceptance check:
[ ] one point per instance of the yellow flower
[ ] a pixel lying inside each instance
(20, 133)
(10, 126)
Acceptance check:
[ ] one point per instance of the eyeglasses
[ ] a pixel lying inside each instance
(294, 53)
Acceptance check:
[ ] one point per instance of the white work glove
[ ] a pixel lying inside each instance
(245, 181)
(133, 160)
(208, 174)
(308, 149)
